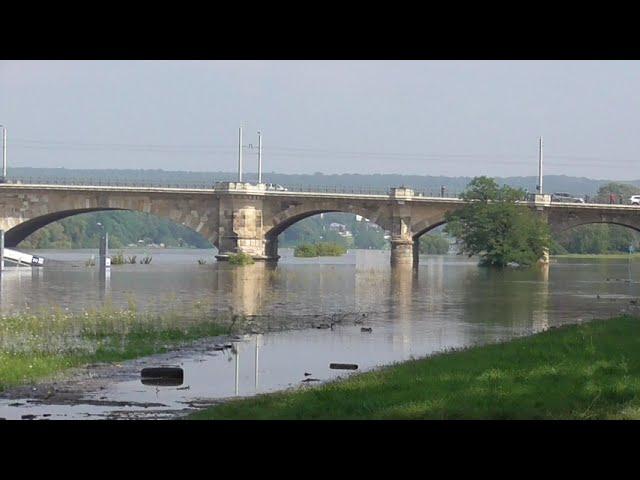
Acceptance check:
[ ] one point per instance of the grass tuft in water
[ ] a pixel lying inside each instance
(37, 344)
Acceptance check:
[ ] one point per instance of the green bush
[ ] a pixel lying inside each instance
(241, 259)
(305, 250)
(319, 250)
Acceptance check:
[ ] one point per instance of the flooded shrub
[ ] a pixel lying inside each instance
(131, 259)
(330, 250)
(146, 260)
(319, 250)
(118, 259)
(241, 259)
(305, 250)
(202, 261)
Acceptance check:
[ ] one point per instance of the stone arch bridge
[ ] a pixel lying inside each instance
(243, 217)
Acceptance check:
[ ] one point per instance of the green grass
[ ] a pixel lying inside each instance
(37, 345)
(587, 371)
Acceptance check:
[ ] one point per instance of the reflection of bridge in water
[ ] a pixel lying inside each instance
(247, 218)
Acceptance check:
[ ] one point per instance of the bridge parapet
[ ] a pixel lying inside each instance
(401, 192)
(242, 187)
(541, 200)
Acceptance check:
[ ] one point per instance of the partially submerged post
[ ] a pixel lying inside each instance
(105, 261)
(1, 250)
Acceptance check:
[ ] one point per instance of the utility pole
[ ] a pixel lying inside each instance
(540, 165)
(240, 154)
(4, 153)
(259, 157)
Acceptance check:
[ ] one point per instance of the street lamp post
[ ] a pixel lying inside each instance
(259, 157)
(4, 154)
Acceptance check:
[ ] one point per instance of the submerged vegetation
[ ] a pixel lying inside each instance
(120, 259)
(38, 344)
(241, 259)
(322, 249)
(586, 371)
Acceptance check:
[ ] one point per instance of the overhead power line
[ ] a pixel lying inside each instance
(307, 152)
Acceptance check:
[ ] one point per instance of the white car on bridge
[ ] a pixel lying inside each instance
(565, 198)
(635, 200)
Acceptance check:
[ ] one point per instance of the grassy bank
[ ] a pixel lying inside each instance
(596, 256)
(36, 345)
(583, 371)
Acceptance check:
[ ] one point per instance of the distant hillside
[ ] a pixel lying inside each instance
(552, 183)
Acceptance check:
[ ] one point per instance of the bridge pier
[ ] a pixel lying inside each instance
(402, 252)
(545, 257)
(402, 242)
(240, 222)
(271, 249)
(416, 252)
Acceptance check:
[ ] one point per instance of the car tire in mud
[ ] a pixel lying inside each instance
(162, 372)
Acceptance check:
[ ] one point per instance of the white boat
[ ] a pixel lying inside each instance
(23, 258)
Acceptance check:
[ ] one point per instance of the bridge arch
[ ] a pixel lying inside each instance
(563, 218)
(24, 231)
(20, 232)
(30, 212)
(292, 215)
(426, 228)
(563, 227)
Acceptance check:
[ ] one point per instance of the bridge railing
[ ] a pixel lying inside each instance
(118, 182)
(106, 182)
(337, 189)
(365, 190)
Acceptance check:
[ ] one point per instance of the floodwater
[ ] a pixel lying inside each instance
(449, 302)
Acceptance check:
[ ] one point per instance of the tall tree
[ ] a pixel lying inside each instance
(624, 190)
(493, 226)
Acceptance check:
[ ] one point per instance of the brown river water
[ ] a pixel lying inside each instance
(449, 302)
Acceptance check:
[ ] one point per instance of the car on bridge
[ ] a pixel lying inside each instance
(635, 199)
(562, 197)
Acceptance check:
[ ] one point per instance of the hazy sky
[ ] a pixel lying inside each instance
(413, 117)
